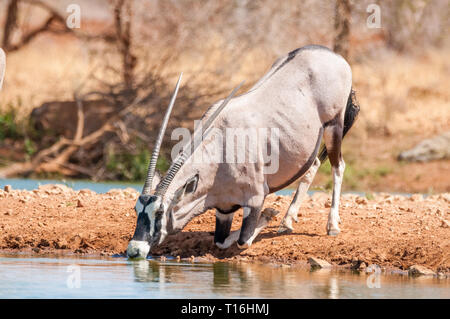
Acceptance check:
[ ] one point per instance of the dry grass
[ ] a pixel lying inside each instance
(404, 98)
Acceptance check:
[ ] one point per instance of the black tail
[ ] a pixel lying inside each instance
(351, 111)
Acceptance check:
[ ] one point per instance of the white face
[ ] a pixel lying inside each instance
(150, 209)
(153, 217)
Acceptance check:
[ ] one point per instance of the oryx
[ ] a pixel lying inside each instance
(306, 95)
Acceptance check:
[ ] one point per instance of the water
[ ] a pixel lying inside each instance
(23, 276)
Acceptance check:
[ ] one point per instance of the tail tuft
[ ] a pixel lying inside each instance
(351, 112)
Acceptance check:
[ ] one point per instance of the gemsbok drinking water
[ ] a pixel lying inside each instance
(305, 96)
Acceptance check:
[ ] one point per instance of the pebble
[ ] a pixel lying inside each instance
(361, 200)
(7, 188)
(417, 270)
(318, 263)
(416, 198)
(80, 203)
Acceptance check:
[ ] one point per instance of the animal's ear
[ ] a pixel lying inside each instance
(191, 185)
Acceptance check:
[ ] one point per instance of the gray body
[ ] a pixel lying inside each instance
(304, 95)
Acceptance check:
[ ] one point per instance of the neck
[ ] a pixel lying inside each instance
(182, 216)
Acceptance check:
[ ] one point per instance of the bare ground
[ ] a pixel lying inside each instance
(391, 231)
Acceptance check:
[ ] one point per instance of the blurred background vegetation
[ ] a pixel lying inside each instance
(87, 102)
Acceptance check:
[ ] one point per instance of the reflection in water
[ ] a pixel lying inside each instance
(248, 280)
(334, 288)
(38, 277)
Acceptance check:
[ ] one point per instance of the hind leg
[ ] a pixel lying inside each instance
(253, 223)
(333, 140)
(303, 186)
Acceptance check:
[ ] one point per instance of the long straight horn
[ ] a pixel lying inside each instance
(181, 159)
(152, 166)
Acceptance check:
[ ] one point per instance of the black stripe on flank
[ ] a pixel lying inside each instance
(293, 53)
(229, 211)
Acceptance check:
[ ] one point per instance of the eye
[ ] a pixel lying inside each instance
(191, 185)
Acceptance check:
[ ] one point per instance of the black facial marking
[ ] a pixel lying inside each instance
(142, 232)
(147, 199)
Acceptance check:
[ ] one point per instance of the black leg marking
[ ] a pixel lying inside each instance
(333, 145)
(223, 227)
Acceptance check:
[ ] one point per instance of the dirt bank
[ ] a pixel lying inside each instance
(394, 231)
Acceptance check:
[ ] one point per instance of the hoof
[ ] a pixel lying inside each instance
(221, 245)
(333, 232)
(243, 246)
(269, 213)
(284, 229)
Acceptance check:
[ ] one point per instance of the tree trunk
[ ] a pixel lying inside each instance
(342, 27)
(10, 23)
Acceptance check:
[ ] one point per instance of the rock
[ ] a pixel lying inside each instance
(361, 200)
(445, 197)
(130, 192)
(55, 189)
(416, 198)
(444, 223)
(85, 192)
(362, 266)
(43, 243)
(7, 188)
(318, 263)
(417, 270)
(434, 148)
(80, 203)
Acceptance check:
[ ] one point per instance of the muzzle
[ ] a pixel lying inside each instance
(138, 249)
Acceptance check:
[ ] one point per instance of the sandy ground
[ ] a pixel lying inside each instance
(390, 231)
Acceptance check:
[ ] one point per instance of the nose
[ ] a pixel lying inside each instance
(138, 249)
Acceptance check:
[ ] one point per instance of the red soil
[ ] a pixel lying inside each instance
(391, 231)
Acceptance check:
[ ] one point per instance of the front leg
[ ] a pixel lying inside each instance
(223, 227)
